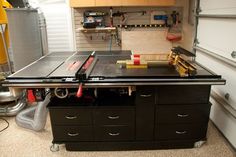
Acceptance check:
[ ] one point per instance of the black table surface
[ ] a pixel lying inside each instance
(55, 65)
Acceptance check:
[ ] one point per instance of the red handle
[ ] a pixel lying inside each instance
(80, 91)
(30, 96)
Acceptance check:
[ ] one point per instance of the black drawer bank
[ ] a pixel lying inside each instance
(153, 117)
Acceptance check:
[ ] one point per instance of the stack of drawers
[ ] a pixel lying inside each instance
(114, 124)
(71, 124)
(182, 114)
(76, 124)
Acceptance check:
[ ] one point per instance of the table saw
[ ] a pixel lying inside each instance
(96, 104)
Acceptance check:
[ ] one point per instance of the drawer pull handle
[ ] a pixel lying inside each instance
(182, 115)
(180, 132)
(113, 117)
(71, 117)
(114, 134)
(73, 134)
(145, 95)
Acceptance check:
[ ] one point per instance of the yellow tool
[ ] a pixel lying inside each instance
(144, 61)
(184, 67)
(130, 65)
(3, 21)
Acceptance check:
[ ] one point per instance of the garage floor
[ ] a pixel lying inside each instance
(20, 142)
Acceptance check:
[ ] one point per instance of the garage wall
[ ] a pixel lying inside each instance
(136, 39)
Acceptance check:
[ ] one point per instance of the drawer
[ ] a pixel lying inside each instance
(114, 116)
(72, 133)
(145, 112)
(180, 131)
(194, 94)
(114, 133)
(70, 116)
(182, 113)
(145, 95)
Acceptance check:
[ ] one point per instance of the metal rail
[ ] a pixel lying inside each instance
(216, 56)
(119, 83)
(215, 16)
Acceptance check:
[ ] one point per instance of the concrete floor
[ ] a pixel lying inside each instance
(20, 142)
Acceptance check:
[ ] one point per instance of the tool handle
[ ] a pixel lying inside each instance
(30, 96)
(80, 91)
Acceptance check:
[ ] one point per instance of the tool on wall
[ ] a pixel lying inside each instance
(124, 15)
(93, 19)
(174, 33)
(159, 18)
(111, 17)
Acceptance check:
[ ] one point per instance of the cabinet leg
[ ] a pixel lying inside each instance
(54, 147)
(199, 144)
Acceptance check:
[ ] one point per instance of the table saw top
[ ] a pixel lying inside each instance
(60, 68)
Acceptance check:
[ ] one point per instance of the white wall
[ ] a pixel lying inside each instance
(59, 24)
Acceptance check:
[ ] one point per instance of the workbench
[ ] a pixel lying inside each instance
(120, 109)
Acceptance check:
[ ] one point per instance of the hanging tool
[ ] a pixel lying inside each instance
(94, 19)
(111, 17)
(122, 15)
(174, 33)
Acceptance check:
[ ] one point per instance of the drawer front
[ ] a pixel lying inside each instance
(174, 132)
(145, 113)
(194, 94)
(183, 113)
(72, 133)
(145, 95)
(114, 133)
(72, 116)
(114, 117)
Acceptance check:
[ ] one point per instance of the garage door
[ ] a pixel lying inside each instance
(216, 49)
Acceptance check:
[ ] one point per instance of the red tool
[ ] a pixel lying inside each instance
(30, 96)
(80, 91)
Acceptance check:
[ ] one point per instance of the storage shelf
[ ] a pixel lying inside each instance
(98, 30)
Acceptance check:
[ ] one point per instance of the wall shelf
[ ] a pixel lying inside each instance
(98, 30)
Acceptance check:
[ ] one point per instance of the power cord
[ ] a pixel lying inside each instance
(6, 126)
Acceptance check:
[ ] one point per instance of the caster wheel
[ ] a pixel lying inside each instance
(54, 148)
(199, 144)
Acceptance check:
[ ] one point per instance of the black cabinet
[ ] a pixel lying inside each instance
(152, 117)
